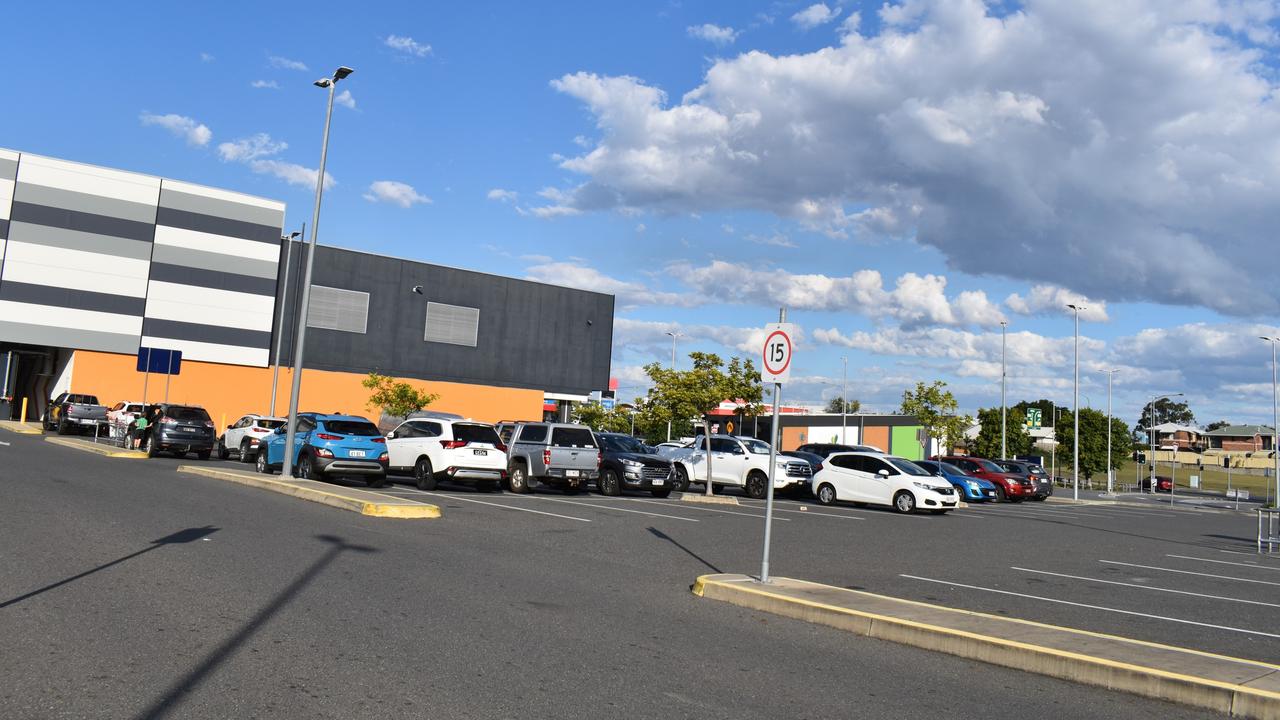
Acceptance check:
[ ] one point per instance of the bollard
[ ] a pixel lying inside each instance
(24, 411)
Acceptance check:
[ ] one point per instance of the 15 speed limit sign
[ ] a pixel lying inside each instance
(777, 353)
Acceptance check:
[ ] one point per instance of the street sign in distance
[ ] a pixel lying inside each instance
(776, 353)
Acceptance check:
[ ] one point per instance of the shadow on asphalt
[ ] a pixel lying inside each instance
(178, 538)
(180, 689)
(659, 534)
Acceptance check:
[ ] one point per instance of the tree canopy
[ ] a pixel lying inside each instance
(1017, 440)
(396, 398)
(935, 408)
(595, 416)
(833, 405)
(1093, 441)
(1167, 410)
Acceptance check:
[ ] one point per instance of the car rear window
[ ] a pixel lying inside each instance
(83, 399)
(361, 428)
(187, 414)
(533, 433)
(271, 424)
(572, 437)
(476, 434)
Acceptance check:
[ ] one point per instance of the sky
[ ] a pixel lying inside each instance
(901, 176)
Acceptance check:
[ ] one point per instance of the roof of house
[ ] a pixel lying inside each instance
(1241, 431)
(1174, 428)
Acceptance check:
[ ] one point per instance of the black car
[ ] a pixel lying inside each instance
(815, 464)
(628, 464)
(825, 450)
(1043, 486)
(179, 429)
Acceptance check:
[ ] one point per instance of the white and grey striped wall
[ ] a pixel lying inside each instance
(99, 259)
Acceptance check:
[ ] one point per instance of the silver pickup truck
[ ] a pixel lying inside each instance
(76, 411)
(552, 454)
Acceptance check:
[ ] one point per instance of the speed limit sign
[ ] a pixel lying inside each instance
(777, 353)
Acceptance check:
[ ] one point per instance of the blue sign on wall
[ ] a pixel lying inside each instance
(161, 362)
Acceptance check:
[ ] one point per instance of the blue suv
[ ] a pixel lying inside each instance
(972, 489)
(329, 446)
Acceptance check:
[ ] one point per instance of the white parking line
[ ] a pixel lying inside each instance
(505, 507)
(605, 507)
(1145, 587)
(1031, 514)
(1190, 572)
(811, 512)
(695, 507)
(1224, 562)
(1093, 607)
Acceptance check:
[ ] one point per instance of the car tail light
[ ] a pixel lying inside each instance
(327, 436)
(818, 467)
(324, 452)
(599, 459)
(453, 444)
(383, 459)
(380, 441)
(546, 456)
(208, 423)
(167, 419)
(500, 447)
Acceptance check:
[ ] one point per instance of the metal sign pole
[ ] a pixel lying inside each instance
(774, 435)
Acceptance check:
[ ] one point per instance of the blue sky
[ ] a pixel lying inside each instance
(894, 174)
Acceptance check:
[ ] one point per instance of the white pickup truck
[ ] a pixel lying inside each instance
(737, 462)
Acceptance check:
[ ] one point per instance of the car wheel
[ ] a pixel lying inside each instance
(62, 427)
(377, 481)
(665, 492)
(826, 494)
(1001, 495)
(904, 502)
(519, 480)
(424, 475)
(608, 484)
(245, 455)
(306, 470)
(223, 453)
(260, 462)
(204, 454)
(150, 448)
(757, 486)
(682, 479)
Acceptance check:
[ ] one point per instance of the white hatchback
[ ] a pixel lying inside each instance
(435, 449)
(242, 436)
(875, 479)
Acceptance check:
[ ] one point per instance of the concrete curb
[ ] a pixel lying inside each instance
(1241, 688)
(360, 501)
(21, 428)
(708, 500)
(93, 447)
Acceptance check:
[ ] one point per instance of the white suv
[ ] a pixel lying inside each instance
(438, 448)
(876, 479)
(243, 436)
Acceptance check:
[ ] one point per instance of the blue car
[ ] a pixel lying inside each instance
(972, 489)
(329, 446)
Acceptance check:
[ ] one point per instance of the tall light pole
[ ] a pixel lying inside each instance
(1110, 374)
(1075, 439)
(1004, 447)
(674, 335)
(298, 347)
(284, 300)
(1275, 418)
(844, 401)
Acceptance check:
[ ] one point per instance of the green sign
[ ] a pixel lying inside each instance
(1033, 418)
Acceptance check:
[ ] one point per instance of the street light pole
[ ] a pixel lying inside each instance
(1275, 420)
(1004, 447)
(1110, 374)
(284, 300)
(844, 402)
(674, 335)
(291, 428)
(1075, 439)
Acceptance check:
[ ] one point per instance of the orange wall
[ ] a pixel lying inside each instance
(877, 436)
(792, 438)
(234, 390)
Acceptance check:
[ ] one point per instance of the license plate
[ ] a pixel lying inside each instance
(480, 452)
(658, 483)
(355, 453)
(188, 429)
(571, 473)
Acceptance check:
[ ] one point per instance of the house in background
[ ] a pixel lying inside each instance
(1247, 438)
(1181, 437)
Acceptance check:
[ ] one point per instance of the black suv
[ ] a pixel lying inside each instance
(826, 449)
(1040, 482)
(179, 429)
(629, 464)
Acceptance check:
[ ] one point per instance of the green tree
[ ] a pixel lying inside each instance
(1167, 410)
(833, 405)
(595, 416)
(935, 408)
(1017, 440)
(742, 382)
(1045, 407)
(1216, 425)
(396, 398)
(1093, 441)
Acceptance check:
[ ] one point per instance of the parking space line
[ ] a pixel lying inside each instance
(1189, 572)
(606, 507)
(695, 507)
(1224, 562)
(1145, 587)
(1093, 607)
(506, 507)
(810, 512)
(1030, 514)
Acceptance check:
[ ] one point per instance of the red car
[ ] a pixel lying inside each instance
(1009, 486)
(1163, 484)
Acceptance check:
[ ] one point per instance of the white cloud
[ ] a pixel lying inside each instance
(407, 46)
(194, 132)
(272, 84)
(1053, 300)
(206, 57)
(713, 33)
(640, 227)
(776, 240)
(814, 15)
(577, 275)
(648, 337)
(994, 136)
(285, 63)
(258, 153)
(345, 100)
(502, 195)
(395, 193)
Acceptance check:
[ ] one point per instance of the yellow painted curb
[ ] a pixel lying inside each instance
(708, 500)
(21, 428)
(394, 508)
(1239, 700)
(87, 446)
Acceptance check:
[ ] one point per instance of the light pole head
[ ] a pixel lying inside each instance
(341, 73)
(1077, 308)
(417, 290)
(323, 83)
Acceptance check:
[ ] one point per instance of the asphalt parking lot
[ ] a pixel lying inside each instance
(563, 606)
